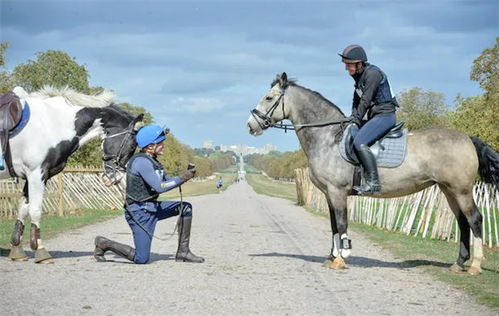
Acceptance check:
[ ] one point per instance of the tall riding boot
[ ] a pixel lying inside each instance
(372, 185)
(184, 233)
(102, 244)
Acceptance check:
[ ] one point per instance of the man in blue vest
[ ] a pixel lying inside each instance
(146, 179)
(373, 111)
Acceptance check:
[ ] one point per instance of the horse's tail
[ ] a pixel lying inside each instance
(488, 160)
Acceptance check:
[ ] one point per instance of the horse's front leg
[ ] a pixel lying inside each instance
(334, 234)
(36, 189)
(341, 243)
(16, 251)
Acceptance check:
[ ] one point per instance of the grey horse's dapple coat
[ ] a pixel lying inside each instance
(434, 156)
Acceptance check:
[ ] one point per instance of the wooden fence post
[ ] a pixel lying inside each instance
(60, 192)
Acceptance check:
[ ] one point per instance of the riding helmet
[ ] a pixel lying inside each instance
(150, 134)
(353, 54)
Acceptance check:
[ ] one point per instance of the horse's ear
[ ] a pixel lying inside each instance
(283, 80)
(284, 77)
(137, 122)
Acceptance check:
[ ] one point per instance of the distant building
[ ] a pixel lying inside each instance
(248, 150)
(208, 144)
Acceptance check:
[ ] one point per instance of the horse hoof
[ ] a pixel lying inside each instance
(474, 271)
(17, 254)
(43, 256)
(338, 264)
(456, 268)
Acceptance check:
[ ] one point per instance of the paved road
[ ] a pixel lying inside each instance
(263, 256)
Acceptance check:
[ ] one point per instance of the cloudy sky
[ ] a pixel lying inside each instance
(200, 66)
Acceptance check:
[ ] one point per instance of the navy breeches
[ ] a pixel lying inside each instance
(148, 220)
(374, 129)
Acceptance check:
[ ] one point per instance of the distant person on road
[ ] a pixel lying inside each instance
(146, 179)
(374, 100)
(220, 183)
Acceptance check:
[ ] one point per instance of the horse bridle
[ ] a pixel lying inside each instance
(264, 120)
(113, 161)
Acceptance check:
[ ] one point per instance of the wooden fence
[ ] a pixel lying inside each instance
(425, 213)
(72, 189)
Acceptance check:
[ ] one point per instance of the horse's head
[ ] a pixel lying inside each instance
(271, 108)
(119, 145)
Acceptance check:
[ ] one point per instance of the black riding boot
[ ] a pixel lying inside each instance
(102, 244)
(184, 233)
(372, 185)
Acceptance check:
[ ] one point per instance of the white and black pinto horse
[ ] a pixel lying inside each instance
(61, 121)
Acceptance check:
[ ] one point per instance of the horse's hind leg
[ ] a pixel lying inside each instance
(36, 189)
(468, 216)
(476, 227)
(16, 251)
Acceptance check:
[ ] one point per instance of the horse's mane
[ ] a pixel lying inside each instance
(73, 97)
(317, 95)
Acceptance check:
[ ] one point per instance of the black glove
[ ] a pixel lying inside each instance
(355, 120)
(188, 174)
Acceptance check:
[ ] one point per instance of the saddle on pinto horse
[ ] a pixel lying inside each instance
(389, 151)
(11, 112)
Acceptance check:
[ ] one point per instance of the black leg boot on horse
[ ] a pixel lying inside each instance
(372, 184)
(184, 233)
(103, 244)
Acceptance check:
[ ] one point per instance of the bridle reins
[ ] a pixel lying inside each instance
(264, 120)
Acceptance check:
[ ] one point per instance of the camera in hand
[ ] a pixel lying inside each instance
(191, 166)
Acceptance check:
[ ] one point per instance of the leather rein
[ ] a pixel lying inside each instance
(264, 120)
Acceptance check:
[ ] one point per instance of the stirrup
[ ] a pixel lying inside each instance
(368, 189)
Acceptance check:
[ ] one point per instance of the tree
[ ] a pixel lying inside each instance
(54, 68)
(6, 82)
(136, 110)
(475, 116)
(422, 109)
(478, 115)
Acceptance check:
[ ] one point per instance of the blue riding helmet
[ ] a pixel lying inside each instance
(150, 134)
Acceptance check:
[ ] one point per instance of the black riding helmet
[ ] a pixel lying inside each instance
(353, 54)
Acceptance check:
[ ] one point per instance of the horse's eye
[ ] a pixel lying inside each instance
(268, 98)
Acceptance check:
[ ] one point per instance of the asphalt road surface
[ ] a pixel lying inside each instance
(263, 256)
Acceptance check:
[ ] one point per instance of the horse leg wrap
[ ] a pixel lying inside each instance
(35, 236)
(346, 246)
(17, 234)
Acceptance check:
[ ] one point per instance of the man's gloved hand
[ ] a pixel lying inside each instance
(354, 120)
(188, 174)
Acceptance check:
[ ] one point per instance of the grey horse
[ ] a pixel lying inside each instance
(434, 156)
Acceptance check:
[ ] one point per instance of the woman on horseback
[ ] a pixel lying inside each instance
(374, 100)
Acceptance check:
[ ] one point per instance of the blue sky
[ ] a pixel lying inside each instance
(200, 66)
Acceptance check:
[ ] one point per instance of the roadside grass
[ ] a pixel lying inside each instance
(251, 169)
(433, 256)
(263, 185)
(53, 224)
(192, 188)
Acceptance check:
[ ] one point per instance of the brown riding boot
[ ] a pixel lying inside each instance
(102, 244)
(184, 233)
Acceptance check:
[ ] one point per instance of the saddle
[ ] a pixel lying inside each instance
(11, 112)
(389, 150)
